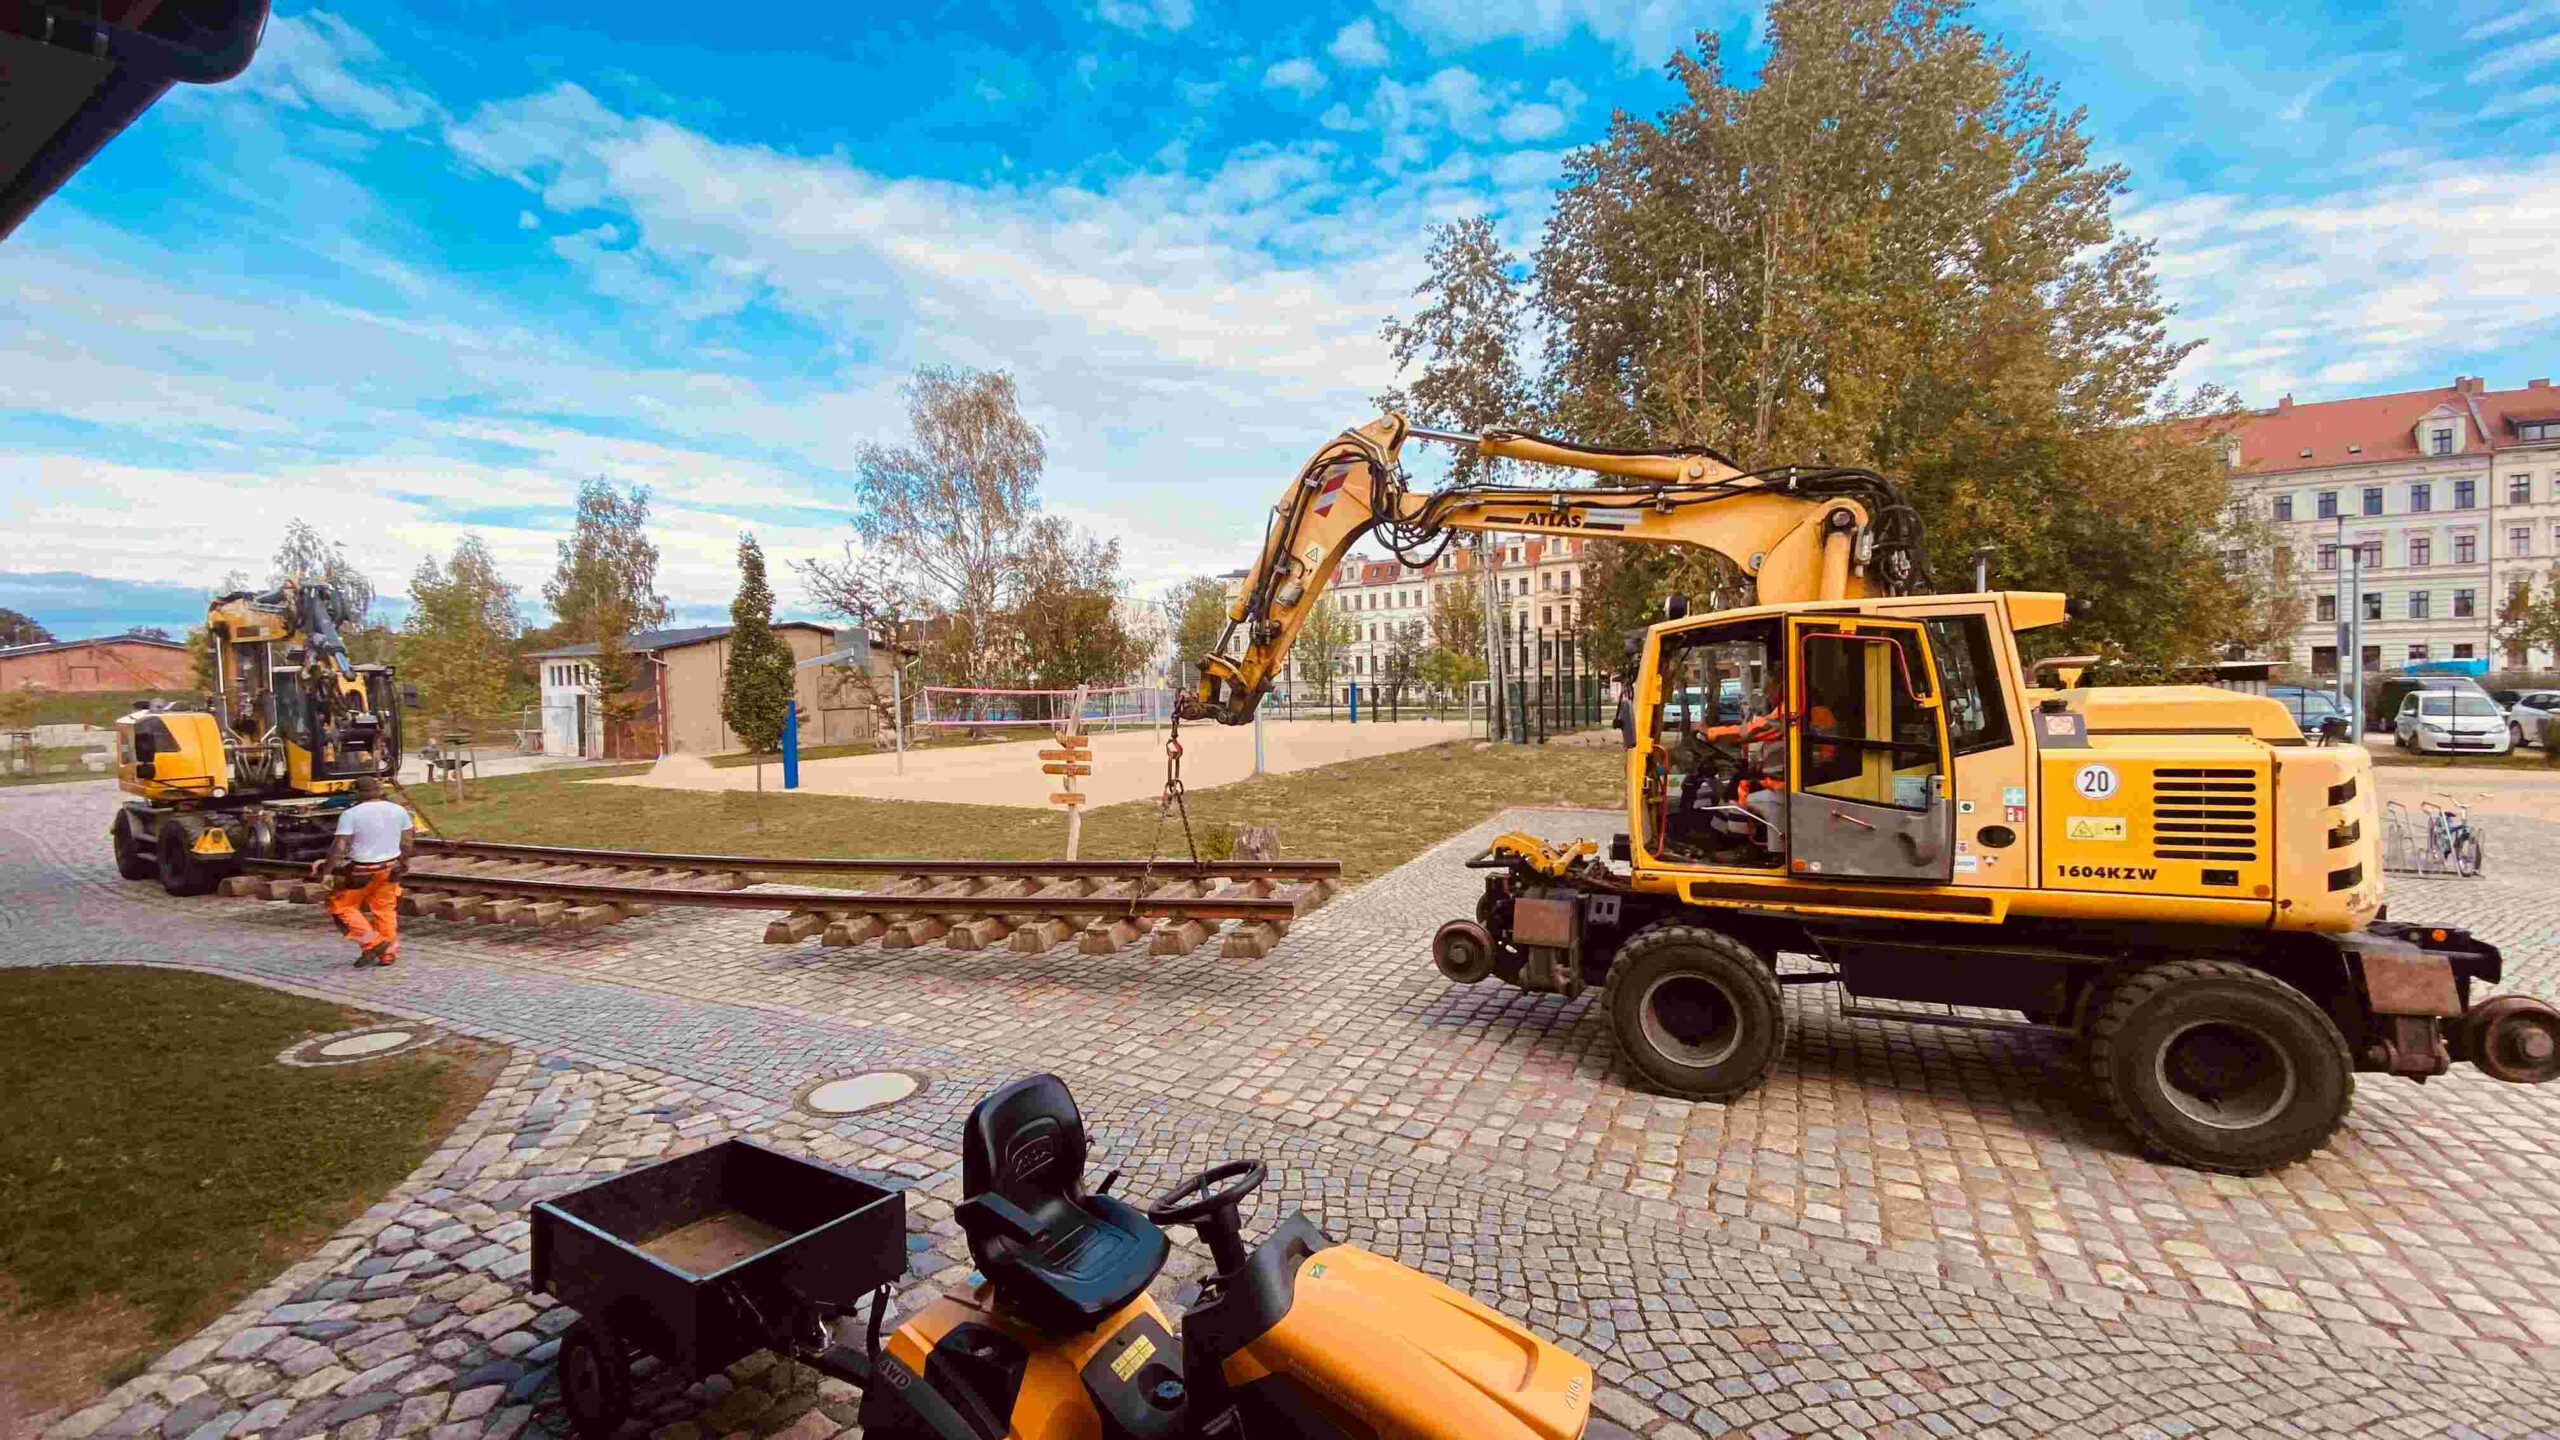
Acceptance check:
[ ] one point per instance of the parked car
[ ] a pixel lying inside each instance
(2526, 713)
(2385, 698)
(2309, 706)
(2442, 721)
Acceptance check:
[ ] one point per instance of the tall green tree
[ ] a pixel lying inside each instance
(604, 588)
(18, 629)
(458, 642)
(1463, 345)
(755, 695)
(943, 518)
(1894, 250)
(1197, 609)
(1066, 609)
(306, 555)
(1321, 642)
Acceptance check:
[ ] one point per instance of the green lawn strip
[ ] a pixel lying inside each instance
(101, 708)
(2512, 760)
(155, 1155)
(1372, 814)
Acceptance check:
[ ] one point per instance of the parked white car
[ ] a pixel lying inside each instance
(2525, 717)
(2436, 722)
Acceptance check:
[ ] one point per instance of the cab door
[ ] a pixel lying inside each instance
(1867, 794)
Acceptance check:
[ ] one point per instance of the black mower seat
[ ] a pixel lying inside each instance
(1062, 1259)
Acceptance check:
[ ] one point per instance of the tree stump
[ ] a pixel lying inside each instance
(1257, 842)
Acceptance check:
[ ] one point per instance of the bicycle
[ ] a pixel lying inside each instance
(2452, 840)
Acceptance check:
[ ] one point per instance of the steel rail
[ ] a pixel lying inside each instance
(851, 902)
(1064, 869)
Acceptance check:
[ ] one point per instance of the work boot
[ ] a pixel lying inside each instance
(377, 953)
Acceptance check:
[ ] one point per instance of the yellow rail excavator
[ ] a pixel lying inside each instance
(263, 767)
(2174, 879)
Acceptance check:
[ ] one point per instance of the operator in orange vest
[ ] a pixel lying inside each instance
(1762, 740)
(371, 852)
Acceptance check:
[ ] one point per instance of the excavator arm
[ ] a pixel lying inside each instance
(1800, 532)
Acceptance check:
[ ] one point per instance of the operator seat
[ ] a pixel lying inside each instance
(1060, 1258)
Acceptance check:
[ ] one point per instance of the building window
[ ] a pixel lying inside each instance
(2328, 557)
(2370, 552)
(2422, 498)
(1546, 614)
(2326, 507)
(2373, 500)
(2421, 550)
(2519, 540)
(2466, 549)
(2466, 493)
(2418, 604)
(2462, 652)
(2538, 430)
(2326, 608)
(2284, 507)
(2519, 489)
(2373, 604)
(2324, 659)
(2417, 654)
(2462, 604)
(2440, 440)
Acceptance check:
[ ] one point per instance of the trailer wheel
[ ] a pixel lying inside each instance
(131, 863)
(1696, 1012)
(595, 1380)
(2219, 1066)
(180, 872)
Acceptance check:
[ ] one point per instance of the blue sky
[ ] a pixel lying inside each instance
(424, 268)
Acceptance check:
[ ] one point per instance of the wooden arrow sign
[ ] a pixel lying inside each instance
(1066, 769)
(1065, 755)
(1069, 798)
(1076, 742)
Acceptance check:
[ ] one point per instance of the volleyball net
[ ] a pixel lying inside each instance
(1103, 707)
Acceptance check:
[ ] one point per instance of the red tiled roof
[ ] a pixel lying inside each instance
(2382, 427)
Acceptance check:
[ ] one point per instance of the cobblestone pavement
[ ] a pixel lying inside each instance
(1909, 1231)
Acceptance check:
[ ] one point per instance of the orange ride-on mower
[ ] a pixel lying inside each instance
(706, 1258)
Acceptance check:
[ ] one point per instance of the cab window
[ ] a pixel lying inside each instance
(1977, 715)
(1867, 735)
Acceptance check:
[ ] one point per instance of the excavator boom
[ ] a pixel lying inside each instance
(1800, 532)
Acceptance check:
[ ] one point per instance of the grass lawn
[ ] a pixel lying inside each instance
(2512, 760)
(101, 708)
(156, 1164)
(1370, 814)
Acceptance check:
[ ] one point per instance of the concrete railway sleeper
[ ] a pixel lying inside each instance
(1024, 906)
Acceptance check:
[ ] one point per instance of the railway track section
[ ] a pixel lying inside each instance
(1024, 905)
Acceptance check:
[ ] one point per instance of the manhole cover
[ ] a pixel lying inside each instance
(853, 1094)
(357, 1045)
(349, 1046)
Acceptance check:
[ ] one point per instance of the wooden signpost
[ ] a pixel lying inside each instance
(1072, 757)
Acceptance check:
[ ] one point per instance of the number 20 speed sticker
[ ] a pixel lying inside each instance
(2095, 782)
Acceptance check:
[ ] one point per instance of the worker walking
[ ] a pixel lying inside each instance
(367, 859)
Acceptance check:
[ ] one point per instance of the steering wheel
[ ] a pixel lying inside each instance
(1220, 1187)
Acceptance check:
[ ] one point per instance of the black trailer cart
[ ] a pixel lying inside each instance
(707, 1258)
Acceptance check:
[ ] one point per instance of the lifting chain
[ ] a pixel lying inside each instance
(1170, 802)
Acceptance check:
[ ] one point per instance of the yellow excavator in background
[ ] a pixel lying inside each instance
(265, 765)
(2173, 879)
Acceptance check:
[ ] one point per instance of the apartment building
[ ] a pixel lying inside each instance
(2451, 497)
(1537, 590)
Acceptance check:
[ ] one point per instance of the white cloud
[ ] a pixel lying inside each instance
(1534, 121)
(308, 61)
(527, 220)
(1643, 31)
(1144, 15)
(2515, 19)
(1299, 76)
(2414, 269)
(1357, 44)
(2533, 54)
(2516, 102)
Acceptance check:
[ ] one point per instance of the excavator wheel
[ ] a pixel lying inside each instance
(131, 862)
(181, 873)
(2219, 1066)
(1696, 1012)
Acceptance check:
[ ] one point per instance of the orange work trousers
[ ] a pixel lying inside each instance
(366, 906)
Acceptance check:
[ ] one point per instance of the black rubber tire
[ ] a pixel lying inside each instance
(131, 863)
(2157, 1005)
(1744, 1001)
(2469, 855)
(595, 1380)
(180, 872)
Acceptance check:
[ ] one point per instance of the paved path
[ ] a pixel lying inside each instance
(1908, 1232)
(1127, 765)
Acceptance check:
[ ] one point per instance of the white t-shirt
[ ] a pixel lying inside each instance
(373, 830)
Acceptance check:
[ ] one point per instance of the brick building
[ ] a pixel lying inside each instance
(2452, 496)
(113, 662)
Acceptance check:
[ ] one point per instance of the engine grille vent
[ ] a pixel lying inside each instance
(2204, 814)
